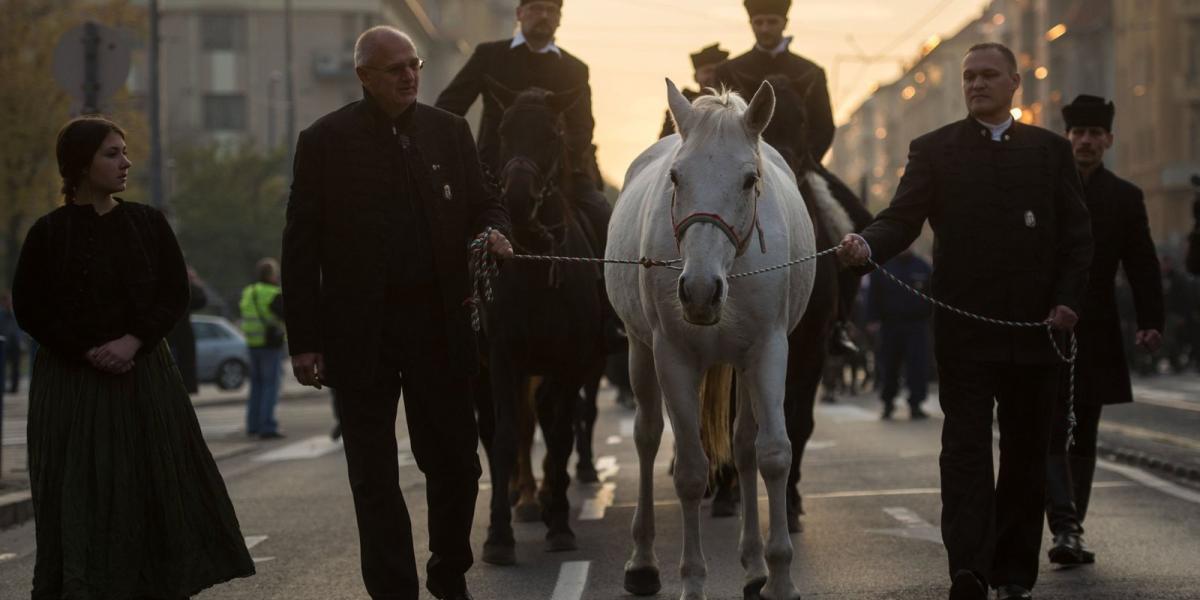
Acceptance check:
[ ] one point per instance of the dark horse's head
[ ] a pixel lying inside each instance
(534, 160)
(788, 129)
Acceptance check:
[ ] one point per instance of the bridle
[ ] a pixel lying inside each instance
(740, 241)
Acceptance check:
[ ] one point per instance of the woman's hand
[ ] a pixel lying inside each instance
(115, 357)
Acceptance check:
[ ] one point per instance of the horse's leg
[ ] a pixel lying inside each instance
(556, 403)
(641, 572)
(806, 366)
(745, 430)
(681, 386)
(766, 384)
(524, 485)
(500, 546)
(585, 426)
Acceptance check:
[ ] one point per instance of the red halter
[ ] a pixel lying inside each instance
(740, 242)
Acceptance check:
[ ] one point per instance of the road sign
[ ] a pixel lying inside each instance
(91, 62)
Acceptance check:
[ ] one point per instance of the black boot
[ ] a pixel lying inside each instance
(1063, 515)
(840, 343)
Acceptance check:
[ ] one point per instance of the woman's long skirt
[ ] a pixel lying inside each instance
(128, 502)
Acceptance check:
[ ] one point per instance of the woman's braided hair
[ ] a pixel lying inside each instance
(78, 142)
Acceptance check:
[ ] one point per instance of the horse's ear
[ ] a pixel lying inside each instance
(681, 109)
(762, 107)
(560, 102)
(502, 95)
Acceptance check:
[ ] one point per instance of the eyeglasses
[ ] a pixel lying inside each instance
(398, 69)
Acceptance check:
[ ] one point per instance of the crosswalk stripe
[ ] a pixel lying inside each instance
(572, 578)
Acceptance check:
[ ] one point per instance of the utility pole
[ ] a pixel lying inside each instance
(289, 85)
(152, 57)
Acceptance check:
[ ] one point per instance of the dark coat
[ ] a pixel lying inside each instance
(336, 241)
(753, 67)
(1122, 237)
(668, 127)
(183, 341)
(519, 69)
(1012, 237)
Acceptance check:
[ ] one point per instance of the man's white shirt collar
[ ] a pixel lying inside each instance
(780, 49)
(998, 130)
(519, 39)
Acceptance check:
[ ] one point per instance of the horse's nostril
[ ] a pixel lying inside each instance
(683, 293)
(718, 290)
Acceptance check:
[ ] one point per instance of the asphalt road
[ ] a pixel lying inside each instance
(871, 495)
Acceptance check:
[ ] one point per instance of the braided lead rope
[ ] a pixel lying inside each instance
(1068, 357)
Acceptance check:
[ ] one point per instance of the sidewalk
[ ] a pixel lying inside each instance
(15, 505)
(1160, 431)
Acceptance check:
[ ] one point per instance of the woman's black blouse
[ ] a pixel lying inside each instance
(85, 279)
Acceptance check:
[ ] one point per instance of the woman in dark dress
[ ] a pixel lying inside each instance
(128, 502)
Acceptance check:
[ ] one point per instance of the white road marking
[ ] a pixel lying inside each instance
(264, 559)
(313, 447)
(613, 440)
(254, 540)
(846, 413)
(820, 445)
(572, 578)
(1165, 398)
(7, 556)
(607, 467)
(914, 527)
(1152, 482)
(593, 508)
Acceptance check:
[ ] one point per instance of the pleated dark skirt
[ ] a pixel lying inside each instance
(127, 499)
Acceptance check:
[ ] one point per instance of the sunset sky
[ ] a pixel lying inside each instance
(631, 45)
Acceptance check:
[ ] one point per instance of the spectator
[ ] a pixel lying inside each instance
(262, 324)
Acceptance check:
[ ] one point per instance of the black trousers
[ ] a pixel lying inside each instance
(1069, 472)
(12, 359)
(994, 527)
(443, 434)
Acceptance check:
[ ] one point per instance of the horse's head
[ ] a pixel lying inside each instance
(787, 132)
(533, 150)
(717, 178)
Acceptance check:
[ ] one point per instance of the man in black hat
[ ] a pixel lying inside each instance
(705, 63)
(771, 56)
(1012, 241)
(1122, 237)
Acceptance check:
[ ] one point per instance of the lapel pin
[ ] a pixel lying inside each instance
(446, 192)
(1030, 219)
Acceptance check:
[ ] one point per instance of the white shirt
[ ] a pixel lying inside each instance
(780, 49)
(519, 39)
(998, 130)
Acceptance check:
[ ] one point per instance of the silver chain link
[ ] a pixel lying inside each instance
(484, 268)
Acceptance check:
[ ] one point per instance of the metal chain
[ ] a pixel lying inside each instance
(484, 268)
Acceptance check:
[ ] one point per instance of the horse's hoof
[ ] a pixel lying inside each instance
(561, 541)
(528, 512)
(753, 590)
(499, 553)
(586, 473)
(723, 507)
(644, 581)
(794, 523)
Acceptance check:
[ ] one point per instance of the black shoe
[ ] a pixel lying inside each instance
(917, 414)
(1013, 592)
(438, 592)
(888, 409)
(1068, 550)
(840, 343)
(967, 586)
(273, 435)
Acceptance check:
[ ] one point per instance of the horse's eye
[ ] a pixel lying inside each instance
(751, 179)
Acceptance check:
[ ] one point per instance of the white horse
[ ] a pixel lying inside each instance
(726, 203)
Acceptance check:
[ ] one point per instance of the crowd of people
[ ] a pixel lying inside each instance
(387, 192)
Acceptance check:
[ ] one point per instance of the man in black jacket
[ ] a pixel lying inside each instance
(1121, 232)
(386, 196)
(771, 56)
(1012, 241)
(704, 64)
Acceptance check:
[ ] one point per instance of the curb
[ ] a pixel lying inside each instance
(15, 508)
(294, 395)
(1137, 458)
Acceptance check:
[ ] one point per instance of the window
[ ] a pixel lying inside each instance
(206, 331)
(225, 112)
(223, 32)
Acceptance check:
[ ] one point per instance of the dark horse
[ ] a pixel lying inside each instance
(835, 211)
(545, 318)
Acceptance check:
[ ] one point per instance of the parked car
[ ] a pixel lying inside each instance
(222, 356)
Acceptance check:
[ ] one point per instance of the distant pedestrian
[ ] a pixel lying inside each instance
(11, 332)
(1012, 241)
(387, 193)
(262, 324)
(1121, 231)
(182, 338)
(901, 322)
(128, 502)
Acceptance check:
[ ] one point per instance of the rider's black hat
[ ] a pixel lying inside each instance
(711, 55)
(524, 2)
(1089, 111)
(768, 7)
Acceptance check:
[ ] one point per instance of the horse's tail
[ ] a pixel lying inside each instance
(715, 403)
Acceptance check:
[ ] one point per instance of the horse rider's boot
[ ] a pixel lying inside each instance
(840, 343)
